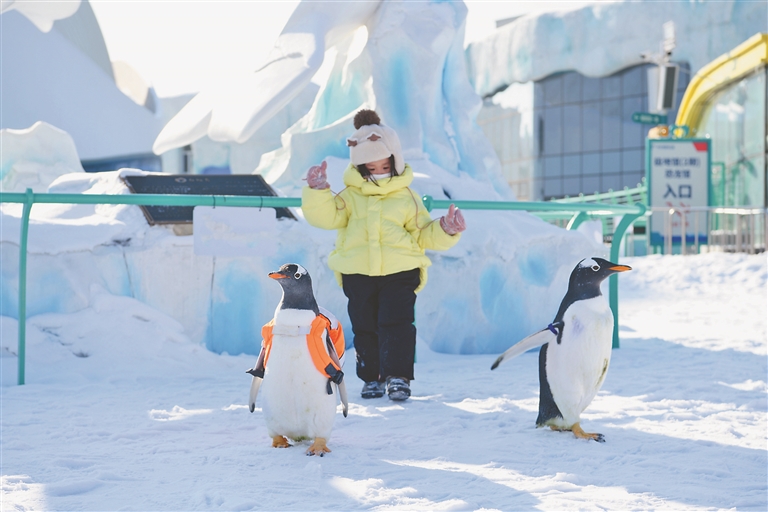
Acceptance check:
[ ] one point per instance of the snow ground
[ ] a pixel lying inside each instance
(122, 412)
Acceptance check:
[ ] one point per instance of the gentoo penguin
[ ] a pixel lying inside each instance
(575, 349)
(299, 364)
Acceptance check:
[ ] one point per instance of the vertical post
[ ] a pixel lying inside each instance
(613, 281)
(696, 232)
(22, 349)
(683, 232)
(765, 230)
(668, 232)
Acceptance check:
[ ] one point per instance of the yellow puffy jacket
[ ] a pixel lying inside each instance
(383, 229)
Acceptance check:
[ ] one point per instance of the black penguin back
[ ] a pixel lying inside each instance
(547, 407)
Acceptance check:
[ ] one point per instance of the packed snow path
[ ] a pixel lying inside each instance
(122, 412)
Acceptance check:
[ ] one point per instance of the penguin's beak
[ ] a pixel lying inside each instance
(277, 275)
(620, 268)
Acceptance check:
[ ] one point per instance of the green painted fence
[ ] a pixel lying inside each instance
(577, 212)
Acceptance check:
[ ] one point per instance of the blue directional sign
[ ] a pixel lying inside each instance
(648, 118)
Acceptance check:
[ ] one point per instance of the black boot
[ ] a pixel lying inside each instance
(373, 389)
(398, 388)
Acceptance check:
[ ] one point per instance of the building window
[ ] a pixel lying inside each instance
(735, 119)
(569, 134)
(586, 123)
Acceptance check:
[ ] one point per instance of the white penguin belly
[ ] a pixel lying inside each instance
(576, 367)
(295, 401)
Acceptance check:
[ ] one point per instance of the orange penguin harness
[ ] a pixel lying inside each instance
(325, 364)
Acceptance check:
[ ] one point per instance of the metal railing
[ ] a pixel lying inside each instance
(718, 228)
(627, 195)
(638, 194)
(576, 212)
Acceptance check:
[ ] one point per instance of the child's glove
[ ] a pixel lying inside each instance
(316, 177)
(453, 222)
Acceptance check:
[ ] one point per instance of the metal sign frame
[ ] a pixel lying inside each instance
(655, 224)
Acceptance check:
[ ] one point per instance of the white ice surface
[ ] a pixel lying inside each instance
(603, 38)
(122, 411)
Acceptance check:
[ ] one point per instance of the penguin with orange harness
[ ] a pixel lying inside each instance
(299, 366)
(575, 349)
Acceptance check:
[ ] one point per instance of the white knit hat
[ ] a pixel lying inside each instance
(375, 142)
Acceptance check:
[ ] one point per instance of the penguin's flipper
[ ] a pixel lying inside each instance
(255, 385)
(342, 387)
(258, 376)
(533, 341)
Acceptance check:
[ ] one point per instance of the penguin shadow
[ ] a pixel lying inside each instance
(377, 462)
(513, 463)
(399, 458)
(500, 460)
(494, 457)
(514, 455)
(695, 472)
(680, 472)
(685, 373)
(458, 485)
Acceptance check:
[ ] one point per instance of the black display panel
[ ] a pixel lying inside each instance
(195, 184)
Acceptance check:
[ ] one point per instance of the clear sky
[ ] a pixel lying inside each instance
(183, 46)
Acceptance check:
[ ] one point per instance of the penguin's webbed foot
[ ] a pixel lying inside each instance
(318, 447)
(579, 432)
(280, 442)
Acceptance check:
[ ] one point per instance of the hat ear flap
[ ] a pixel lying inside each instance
(393, 143)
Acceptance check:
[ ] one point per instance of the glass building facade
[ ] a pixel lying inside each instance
(735, 119)
(569, 134)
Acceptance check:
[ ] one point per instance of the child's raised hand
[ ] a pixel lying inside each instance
(453, 222)
(316, 177)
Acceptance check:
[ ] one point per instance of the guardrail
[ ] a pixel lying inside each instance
(728, 229)
(625, 196)
(577, 212)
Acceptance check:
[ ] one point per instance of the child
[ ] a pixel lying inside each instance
(383, 230)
